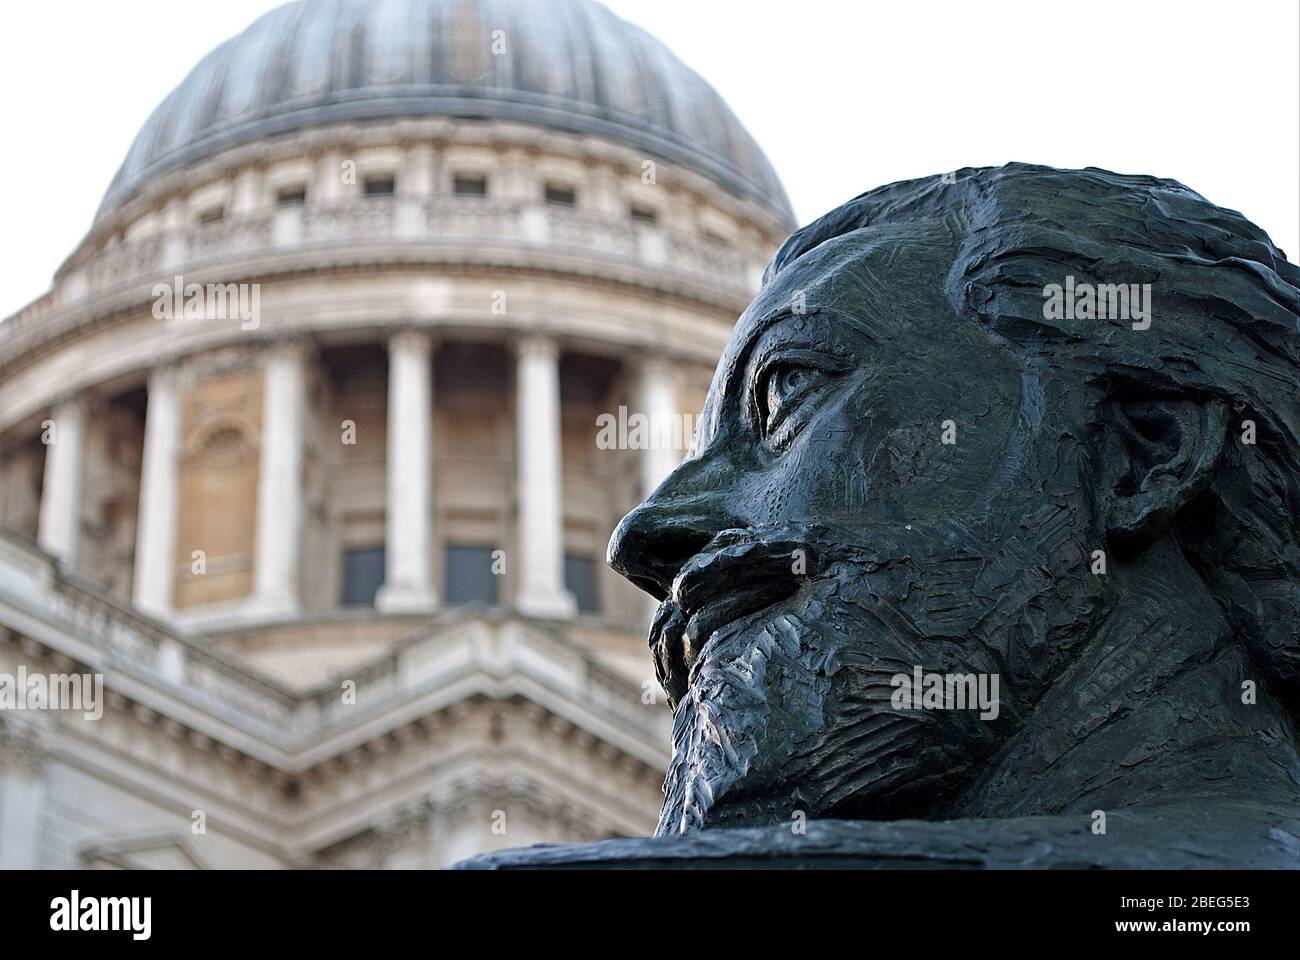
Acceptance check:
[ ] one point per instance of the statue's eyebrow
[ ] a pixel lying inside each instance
(828, 344)
(740, 362)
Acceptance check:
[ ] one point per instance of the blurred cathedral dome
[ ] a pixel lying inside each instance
(301, 450)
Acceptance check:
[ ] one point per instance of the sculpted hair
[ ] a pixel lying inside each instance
(1225, 327)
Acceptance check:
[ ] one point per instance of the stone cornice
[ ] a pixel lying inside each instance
(31, 337)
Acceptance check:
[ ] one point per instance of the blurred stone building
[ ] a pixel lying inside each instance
(299, 452)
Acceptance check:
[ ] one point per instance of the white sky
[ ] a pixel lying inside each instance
(844, 95)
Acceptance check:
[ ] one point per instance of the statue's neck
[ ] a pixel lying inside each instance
(1151, 712)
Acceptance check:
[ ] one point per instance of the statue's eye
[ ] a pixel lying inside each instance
(783, 386)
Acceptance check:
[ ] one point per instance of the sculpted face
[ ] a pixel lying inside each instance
(911, 463)
(821, 537)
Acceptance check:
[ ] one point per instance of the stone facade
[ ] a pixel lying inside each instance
(181, 492)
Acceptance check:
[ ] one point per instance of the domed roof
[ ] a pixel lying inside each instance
(569, 64)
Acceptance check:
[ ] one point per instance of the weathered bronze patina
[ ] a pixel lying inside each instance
(1032, 428)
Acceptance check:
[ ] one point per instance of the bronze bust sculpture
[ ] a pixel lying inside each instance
(987, 548)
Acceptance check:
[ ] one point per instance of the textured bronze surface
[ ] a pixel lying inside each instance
(925, 452)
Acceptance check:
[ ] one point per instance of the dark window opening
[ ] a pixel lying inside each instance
(379, 186)
(469, 576)
(644, 214)
(564, 196)
(580, 579)
(291, 196)
(212, 214)
(469, 185)
(363, 575)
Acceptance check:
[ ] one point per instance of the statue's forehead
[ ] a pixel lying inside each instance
(864, 277)
(873, 281)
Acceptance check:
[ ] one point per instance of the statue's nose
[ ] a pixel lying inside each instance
(650, 544)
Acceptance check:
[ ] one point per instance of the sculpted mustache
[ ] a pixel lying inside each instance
(740, 571)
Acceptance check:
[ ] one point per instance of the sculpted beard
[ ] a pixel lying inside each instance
(795, 687)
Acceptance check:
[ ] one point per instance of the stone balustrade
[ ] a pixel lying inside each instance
(64, 614)
(457, 229)
(359, 220)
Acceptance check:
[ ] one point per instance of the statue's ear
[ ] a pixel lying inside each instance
(1158, 456)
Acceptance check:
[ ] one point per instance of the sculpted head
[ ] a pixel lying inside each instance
(912, 458)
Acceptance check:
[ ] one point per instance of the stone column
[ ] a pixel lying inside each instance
(515, 177)
(328, 185)
(656, 399)
(414, 187)
(59, 531)
(175, 234)
(280, 480)
(157, 516)
(408, 554)
(541, 521)
(605, 191)
(247, 196)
